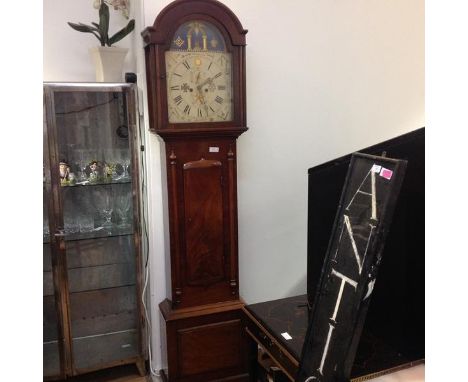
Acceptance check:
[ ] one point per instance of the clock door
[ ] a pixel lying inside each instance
(203, 222)
(204, 237)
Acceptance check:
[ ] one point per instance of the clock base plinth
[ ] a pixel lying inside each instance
(205, 343)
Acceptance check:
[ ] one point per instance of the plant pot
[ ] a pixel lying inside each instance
(108, 61)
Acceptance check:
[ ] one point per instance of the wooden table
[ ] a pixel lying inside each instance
(266, 322)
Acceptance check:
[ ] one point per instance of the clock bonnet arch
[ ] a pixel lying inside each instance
(158, 40)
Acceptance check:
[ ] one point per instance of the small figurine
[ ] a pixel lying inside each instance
(93, 175)
(67, 178)
(109, 170)
(64, 169)
(93, 165)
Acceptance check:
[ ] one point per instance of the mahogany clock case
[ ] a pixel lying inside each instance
(202, 320)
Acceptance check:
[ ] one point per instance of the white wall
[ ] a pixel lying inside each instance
(66, 56)
(324, 78)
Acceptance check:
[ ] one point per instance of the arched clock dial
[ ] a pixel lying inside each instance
(199, 86)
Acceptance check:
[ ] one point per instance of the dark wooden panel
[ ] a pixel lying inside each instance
(98, 277)
(204, 323)
(106, 250)
(209, 347)
(89, 352)
(203, 222)
(51, 359)
(101, 311)
(232, 378)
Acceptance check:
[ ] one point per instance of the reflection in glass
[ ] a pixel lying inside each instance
(106, 210)
(98, 210)
(123, 207)
(123, 159)
(83, 160)
(86, 223)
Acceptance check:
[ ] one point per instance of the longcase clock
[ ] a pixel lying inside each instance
(195, 64)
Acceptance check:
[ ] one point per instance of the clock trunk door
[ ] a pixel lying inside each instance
(203, 222)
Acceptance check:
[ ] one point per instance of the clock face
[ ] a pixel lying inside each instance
(199, 87)
(199, 76)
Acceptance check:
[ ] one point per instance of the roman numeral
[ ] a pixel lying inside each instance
(217, 75)
(176, 87)
(209, 66)
(178, 100)
(186, 64)
(212, 109)
(187, 110)
(200, 113)
(177, 74)
(219, 99)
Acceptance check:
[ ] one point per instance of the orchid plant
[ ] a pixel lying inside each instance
(101, 30)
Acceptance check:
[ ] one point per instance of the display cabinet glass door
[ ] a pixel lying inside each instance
(98, 231)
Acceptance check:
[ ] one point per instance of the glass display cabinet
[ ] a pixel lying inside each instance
(92, 307)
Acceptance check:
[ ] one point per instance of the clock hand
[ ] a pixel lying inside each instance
(208, 80)
(200, 96)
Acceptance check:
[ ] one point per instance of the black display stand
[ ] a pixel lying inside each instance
(350, 268)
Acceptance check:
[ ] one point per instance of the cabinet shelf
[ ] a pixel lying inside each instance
(114, 232)
(87, 183)
(98, 234)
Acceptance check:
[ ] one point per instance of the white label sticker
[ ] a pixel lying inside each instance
(286, 336)
(214, 149)
(376, 168)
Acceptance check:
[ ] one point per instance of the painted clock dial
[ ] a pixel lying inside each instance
(199, 75)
